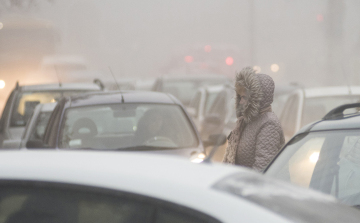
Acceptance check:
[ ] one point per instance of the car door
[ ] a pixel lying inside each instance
(52, 128)
(56, 202)
(290, 116)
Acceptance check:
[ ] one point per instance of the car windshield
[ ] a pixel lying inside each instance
(185, 90)
(327, 161)
(316, 108)
(37, 133)
(26, 102)
(121, 126)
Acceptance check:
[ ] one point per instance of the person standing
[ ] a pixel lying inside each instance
(258, 135)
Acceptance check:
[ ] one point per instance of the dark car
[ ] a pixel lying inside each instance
(325, 156)
(23, 99)
(124, 121)
(184, 87)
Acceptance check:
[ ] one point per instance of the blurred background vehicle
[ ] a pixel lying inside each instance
(212, 109)
(35, 127)
(281, 94)
(131, 187)
(125, 121)
(184, 87)
(324, 156)
(23, 99)
(201, 103)
(306, 105)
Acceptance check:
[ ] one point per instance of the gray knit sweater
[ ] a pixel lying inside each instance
(262, 137)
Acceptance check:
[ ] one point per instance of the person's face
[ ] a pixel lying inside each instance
(243, 94)
(155, 124)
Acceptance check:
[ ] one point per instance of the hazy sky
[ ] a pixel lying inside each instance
(149, 38)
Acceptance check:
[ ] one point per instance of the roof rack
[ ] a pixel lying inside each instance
(338, 111)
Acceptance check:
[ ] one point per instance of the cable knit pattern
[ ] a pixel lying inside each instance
(262, 137)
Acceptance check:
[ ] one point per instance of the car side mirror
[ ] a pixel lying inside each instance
(215, 140)
(35, 144)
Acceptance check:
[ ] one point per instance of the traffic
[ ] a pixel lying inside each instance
(181, 111)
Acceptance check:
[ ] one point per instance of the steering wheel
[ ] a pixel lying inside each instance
(160, 141)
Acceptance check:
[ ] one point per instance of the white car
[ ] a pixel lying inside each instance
(84, 186)
(306, 105)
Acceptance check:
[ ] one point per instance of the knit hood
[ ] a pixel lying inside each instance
(260, 88)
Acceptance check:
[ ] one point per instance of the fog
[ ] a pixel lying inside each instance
(312, 42)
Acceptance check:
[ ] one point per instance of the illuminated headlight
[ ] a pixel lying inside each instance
(198, 158)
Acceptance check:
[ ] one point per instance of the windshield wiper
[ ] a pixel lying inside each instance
(132, 148)
(146, 148)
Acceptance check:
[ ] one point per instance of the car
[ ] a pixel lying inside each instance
(220, 112)
(184, 87)
(202, 102)
(281, 94)
(95, 186)
(23, 99)
(35, 127)
(125, 121)
(306, 105)
(324, 156)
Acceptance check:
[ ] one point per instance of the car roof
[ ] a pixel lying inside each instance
(194, 77)
(331, 91)
(87, 161)
(60, 87)
(113, 97)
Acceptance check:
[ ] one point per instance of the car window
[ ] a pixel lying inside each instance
(219, 106)
(288, 121)
(23, 202)
(165, 215)
(59, 205)
(326, 161)
(210, 99)
(184, 90)
(316, 108)
(26, 102)
(195, 102)
(52, 126)
(278, 103)
(120, 126)
(37, 133)
(5, 113)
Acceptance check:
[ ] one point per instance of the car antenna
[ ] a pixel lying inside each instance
(112, 74)
(57, 75)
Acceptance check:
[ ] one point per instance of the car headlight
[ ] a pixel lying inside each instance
(198, 158)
